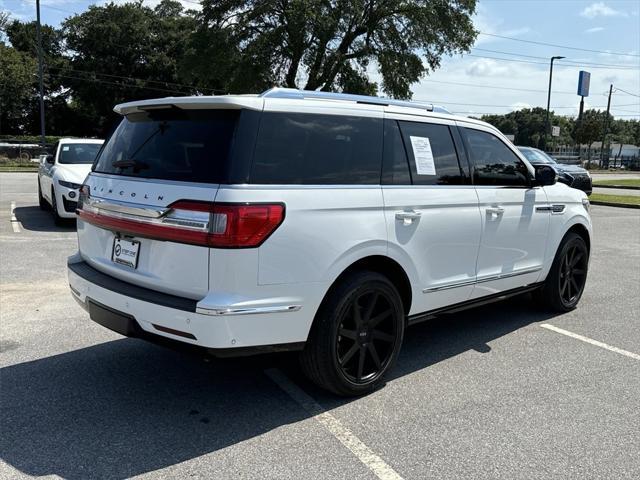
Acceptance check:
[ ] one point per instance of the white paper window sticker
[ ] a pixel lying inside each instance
(423, 155)
(65, 149)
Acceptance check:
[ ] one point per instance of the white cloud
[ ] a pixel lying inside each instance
(600, 9)
(487, 68)
(594, 30)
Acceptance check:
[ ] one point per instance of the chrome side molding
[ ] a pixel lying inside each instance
(486, 278)
(248, 310)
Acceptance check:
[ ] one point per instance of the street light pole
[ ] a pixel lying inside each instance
(546, 126)
(40, 81)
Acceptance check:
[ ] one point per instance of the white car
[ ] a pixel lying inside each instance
(60, 175)
(318, 222)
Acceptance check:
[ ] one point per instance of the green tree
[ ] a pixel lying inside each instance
(589, 129)
(334, 44)
(123, 52)
(17, 72)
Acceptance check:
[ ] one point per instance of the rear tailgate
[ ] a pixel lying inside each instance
(171, 267)
(145, 211)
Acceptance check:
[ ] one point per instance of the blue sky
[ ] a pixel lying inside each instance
(501, 75)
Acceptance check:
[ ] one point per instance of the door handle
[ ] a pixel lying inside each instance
(495, 209)
(408, 217)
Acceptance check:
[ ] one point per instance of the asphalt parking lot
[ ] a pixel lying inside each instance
(488, 393)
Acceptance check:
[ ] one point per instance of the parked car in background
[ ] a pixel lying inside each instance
(61, 174)
(572, 175)
(318, 222)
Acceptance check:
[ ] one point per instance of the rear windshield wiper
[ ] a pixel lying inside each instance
(137, 165)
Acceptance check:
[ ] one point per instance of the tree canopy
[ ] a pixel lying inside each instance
(332, 44)
(118, 52)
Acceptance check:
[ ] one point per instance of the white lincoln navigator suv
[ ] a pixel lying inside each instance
(318, 222)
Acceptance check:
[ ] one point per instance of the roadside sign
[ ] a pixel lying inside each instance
(555, 131)
(584, 79)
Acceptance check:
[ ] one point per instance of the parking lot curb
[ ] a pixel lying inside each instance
(611, 204)
(624, 187)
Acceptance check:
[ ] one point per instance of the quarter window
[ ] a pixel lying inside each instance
(432, 154)
(494, 163)
(295, 148)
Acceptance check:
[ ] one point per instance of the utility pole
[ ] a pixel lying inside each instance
(605, 127)
(40, 80)
(546, 123)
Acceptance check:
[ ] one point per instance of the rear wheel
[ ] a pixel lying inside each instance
(54, 208)
(356, 336)
(565, 283)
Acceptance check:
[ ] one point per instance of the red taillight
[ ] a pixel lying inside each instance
(238, 226)
(200, 223)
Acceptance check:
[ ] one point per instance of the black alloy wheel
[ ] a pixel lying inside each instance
(567, 277)
(573, 274)
(356, 335)
(366, 336)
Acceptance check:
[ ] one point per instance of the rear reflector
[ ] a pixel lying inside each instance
(217, 225)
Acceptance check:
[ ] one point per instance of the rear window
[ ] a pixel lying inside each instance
(296, 148)
(72, 153)
(171, 144)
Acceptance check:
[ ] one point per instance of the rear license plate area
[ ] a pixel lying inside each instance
(125, 252)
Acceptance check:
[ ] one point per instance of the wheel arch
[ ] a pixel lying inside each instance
(580, 229)
(383, 265)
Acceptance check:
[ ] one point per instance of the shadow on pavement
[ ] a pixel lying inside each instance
(126, 407)
(32, 218)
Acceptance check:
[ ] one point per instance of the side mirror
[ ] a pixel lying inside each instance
(546, 175)
(50, 159)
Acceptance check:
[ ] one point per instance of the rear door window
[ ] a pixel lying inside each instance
(171, 144)
(433, 159)
(297, 148)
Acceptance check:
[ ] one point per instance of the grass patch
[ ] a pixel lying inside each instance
(627, 182)
(624, 199)
(18, 169)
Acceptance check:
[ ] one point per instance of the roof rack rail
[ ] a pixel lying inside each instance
(278, 92)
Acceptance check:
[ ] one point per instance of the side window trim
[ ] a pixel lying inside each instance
(386, 174)
(463, 157)
(472, 163)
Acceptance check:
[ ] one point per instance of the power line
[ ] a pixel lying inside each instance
(96, 80)
(586, 64)
(192, 87)
(546, 63)
(496, 87)
(558, 46)
(618, 89)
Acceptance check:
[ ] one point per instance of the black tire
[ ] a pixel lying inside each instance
(42, 202)
(356, 335)
(565, 282)
(58, 220)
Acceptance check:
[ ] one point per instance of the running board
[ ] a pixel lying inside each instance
(476, 302)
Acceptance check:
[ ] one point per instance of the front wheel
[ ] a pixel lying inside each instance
(42, 202)
(565, 283)
(54, 208)
(356, 336)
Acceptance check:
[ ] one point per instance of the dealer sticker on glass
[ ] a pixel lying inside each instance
(125, 252)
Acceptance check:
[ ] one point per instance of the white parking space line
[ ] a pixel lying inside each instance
(372, 461)
(591, 341)
(15, 224)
